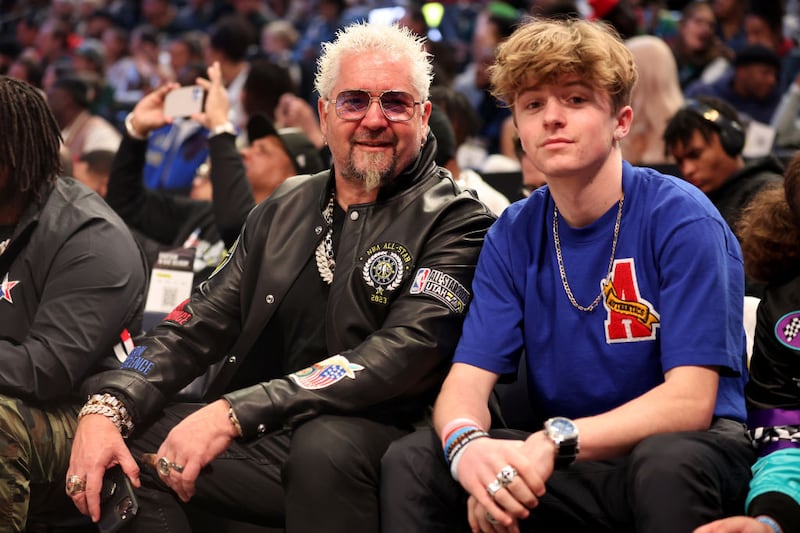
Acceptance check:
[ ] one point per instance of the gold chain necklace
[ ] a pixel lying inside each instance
(562, 270)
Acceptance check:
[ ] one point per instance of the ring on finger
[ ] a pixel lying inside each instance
(176, 467)
(75, 485)
(163, 465)
(506, 475)
(493, 487)
(492, 520)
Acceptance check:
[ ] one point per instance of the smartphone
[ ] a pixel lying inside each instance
(184, 101)
(118, 504)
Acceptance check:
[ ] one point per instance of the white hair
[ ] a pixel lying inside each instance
(398, 42)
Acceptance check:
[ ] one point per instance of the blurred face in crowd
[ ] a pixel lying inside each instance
(759, 32)
(266, 165)
(756, 80)
(697, 30)
(704, 163)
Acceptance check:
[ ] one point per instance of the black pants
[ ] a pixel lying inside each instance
(670, 483)
(323, 476)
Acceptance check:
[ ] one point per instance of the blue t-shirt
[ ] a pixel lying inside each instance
(675, 298)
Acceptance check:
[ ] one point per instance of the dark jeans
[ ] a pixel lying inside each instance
(670, 483)
(323, 476)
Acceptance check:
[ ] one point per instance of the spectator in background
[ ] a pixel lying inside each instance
(278, 39)
(265, 84)
(786, 120)
(764, 25)
(93, 170)
(770, 229)
(72, 280)
(750, 87)
(27, 68)
(185, 49)
(656, 97)
(52, 43)
(176, 149)
(467, 178)
(494, 24)
(162, 16)
(706, 139)
(618, 13)
(699, 53)
(730, 26)
(122, 72)
(145, 50)
(70, 98)
(229, 42)
(89, 63)
(321, 28)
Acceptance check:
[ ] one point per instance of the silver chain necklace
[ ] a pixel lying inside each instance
(562, 270)
(326, 264)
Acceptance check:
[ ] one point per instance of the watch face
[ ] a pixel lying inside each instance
(562, 428)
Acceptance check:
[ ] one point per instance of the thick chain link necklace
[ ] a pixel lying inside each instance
(326, 264)
(562, 270)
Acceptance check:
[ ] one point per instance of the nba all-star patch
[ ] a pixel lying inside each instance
(326, 373)
(180, 315)
(385, 268)
(787, 330)
(441, 286)
(5, 289)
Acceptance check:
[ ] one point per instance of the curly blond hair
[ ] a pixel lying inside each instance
(545, 50)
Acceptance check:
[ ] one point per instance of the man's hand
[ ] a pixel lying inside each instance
(293, 111)
(194, 443)
(148, 115)
(97, 446)
(736, 524)
(217, 104)
(480, 464)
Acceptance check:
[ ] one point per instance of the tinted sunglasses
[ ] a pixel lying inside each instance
(397, 106)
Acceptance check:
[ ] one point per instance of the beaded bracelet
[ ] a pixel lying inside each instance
(112, 408)
(462, 442)
(764, 519)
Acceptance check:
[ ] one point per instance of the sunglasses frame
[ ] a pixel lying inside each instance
(372, 98)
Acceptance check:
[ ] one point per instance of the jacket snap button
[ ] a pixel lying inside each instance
(270, 299)
(318, 230)
(232, 359)
(354, 215)
(261, 429)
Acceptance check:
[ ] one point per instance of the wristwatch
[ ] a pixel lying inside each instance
(227, 127)
(564, 434)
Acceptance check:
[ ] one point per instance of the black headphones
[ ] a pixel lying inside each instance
(731, 133)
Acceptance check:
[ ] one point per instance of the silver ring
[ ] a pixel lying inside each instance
(163, 465)
(492, 520)
(75, 485)
(493, 487)
(176, 467)
(506, 475)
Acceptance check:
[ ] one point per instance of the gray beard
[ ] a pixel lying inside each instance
(372, 178)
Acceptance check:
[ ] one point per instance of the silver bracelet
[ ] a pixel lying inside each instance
(112, 408)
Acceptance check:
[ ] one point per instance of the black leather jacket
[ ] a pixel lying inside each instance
(402, 333)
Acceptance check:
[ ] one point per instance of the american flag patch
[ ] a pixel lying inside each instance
(325, 373)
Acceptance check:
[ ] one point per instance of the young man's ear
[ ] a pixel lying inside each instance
(624, 120)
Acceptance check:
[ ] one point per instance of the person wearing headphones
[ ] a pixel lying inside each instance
(706, 138)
